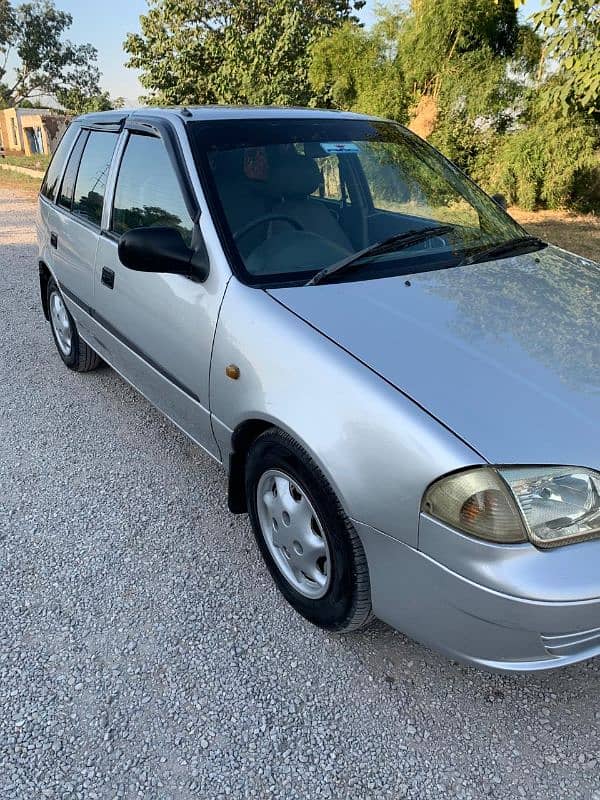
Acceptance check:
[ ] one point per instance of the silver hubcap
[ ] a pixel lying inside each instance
(293, 534)
(60, 323)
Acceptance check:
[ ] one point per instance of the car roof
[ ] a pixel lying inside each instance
(216, 112)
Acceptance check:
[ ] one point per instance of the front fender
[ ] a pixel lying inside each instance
(378, 449)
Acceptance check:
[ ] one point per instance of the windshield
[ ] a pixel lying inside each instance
(292, 197)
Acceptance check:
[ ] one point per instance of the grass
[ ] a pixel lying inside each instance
(37, 161)
(578, 233)
(15, 183)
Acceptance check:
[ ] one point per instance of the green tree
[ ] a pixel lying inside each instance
(77, 102)
(357, 70)
(437, 34)
(571, 54)
(232, 51)
(32, 38)
(470, 60)
(457, 69)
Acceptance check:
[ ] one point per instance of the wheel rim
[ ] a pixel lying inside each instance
(293, 534)
(60, 323)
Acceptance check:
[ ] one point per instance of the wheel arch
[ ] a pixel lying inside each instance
(242, 438)
(44, 276)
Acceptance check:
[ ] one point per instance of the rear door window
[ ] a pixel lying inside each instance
(92, 176)
(65, 196)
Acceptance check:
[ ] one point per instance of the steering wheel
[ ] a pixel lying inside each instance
(264, 219)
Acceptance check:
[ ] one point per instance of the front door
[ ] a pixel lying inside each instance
(156, 329)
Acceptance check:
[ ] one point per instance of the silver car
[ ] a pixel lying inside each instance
(403, 385)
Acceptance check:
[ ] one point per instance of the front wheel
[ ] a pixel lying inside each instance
(75, 353)
(309, 545)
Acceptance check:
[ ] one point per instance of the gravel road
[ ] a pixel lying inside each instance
(144, 652)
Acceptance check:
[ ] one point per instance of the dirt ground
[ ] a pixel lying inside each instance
(579, 233)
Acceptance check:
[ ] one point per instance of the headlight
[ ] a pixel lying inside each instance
(559, 504)
(550, 506)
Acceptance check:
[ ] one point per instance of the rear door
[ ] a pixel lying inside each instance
(157, 329)
(46, 220)
(75, 223)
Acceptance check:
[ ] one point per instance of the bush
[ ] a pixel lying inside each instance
(553, 163)
(471, 147)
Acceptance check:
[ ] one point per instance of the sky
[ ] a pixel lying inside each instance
(105, 23)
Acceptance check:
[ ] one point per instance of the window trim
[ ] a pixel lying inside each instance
(164, 130)
(83, 135)
(105, 121)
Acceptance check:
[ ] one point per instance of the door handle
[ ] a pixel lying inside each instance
(108, 277)
(53, 240)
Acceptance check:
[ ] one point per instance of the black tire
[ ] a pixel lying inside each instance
(81, 357)
(346, 606)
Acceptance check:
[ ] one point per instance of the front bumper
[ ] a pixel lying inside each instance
(505, 608)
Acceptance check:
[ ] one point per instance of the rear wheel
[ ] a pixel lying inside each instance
(75, 353)
(309, 545)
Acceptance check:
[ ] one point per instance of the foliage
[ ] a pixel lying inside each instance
(75, 101)
(456, 52)
(553, 163)
(232, 51)
(436, 34)
(469, 75)
(455, 68)
(352, 69)
(571, 30)
(46, 64)
(473, 59)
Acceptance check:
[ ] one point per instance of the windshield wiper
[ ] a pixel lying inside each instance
(511, 247)
(397, 242)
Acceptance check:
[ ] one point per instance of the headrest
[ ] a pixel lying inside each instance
(294, 176)
(229, 163)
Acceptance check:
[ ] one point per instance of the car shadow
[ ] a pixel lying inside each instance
(578, 235)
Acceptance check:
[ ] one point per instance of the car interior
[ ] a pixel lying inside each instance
(271, 203)
(299, 206)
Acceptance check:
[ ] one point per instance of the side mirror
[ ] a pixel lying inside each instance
(500, 200)
(162, 250)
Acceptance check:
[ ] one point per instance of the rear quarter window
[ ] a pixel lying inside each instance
(55, 168)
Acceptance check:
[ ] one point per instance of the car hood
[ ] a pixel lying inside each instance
(505, 353)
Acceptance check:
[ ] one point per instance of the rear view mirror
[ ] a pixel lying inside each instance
(162, 250)
(500, 200)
